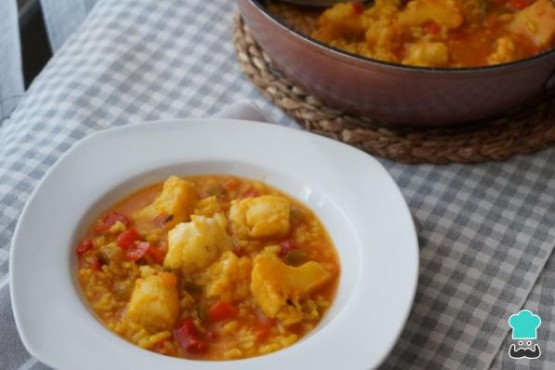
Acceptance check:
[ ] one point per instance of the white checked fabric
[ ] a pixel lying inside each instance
(63, 17)
(11, 73)
(487, 230)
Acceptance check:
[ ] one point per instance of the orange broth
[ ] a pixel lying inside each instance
(114, 267)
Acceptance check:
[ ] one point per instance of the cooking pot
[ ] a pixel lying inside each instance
(394, 93)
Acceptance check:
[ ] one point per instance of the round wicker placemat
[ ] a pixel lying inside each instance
(524, 131)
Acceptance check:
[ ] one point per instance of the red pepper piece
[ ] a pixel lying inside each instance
(110, 220)
(188, 337)
(230, 184)
(432, 28)
(358, 8)
(212, 335)
(137, 251)
(157, 254)
(263, 327)
(127, 238)
(518, 4)
(158, 347)
(251, 193)
(221, 311)
(262, 332)
(95, 265)
(114, 217)
(286, 246)
(84, 246)
(239, 251)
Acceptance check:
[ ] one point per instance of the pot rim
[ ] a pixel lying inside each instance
(359, 59)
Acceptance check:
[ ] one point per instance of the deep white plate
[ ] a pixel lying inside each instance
(353, 195)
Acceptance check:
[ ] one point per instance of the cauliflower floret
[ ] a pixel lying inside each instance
(263, 216)
(172, 206)
(228, 278)
(195, 245)
(155, 302)
(277, 287)
(536, 22)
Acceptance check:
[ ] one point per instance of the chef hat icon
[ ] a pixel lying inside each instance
(525, 325)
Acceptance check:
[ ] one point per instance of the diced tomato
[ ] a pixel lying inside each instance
(286, 246)
(230, 184)
(239, 251)
(221, 311)
(110, 220)
(188, 337)
(212, 335)
(518, 4)
(159, 346)
(95, 265)
(432, 28)
(157, 254)
(84, 246)
(127, 238)
(114, 217)
(250, 193)
(262, 331)
(136, 251)
(456, 34)
(263, 327)
(358, 8)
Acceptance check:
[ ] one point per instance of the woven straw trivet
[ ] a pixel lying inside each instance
(524, 131)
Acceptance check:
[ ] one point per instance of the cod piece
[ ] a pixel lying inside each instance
(277, 287)
(155, 302)
(228, 278)
(194, 245)
(263, 216)
(174, 205)
(536, 22)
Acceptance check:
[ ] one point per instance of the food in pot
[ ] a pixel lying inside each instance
(209, 268)
(431, 33)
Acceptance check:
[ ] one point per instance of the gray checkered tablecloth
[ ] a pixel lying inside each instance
(487, 230)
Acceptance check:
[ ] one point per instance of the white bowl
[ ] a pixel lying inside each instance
(353, 195)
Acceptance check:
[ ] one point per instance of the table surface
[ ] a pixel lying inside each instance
(486, 233)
